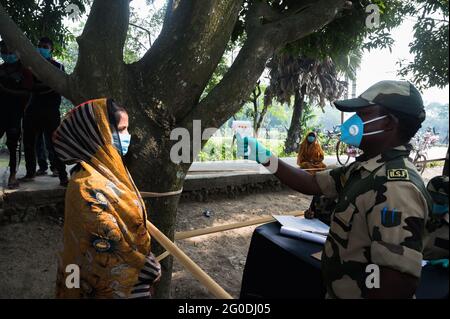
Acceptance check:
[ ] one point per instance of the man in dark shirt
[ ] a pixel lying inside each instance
(45, 155)
(15, 85)
(42, 115)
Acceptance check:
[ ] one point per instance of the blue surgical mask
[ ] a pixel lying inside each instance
(311, 139)
(10, 58)
(124, 144)
(46, 53)
(352, 130)
(440, 209)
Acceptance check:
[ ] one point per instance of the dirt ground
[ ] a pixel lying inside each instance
(28, 250)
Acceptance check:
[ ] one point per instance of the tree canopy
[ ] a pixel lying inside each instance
(430, 45)
(38, 18)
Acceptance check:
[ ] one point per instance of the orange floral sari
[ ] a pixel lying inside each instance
(105, 233)
(310, 155)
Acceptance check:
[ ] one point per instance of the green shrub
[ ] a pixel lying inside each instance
(219, 149)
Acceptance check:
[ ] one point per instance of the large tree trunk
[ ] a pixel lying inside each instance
(162, 211)
(294, 132)
(162, 91)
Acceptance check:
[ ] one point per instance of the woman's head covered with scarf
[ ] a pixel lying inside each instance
(89, 133)
(309, 141)
(105, 218)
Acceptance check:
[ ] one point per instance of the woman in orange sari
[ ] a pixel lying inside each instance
(106, 250)
(310, 155)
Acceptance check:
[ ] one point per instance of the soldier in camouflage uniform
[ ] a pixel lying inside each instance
(379, 219)
(382, 203)
(437, 230)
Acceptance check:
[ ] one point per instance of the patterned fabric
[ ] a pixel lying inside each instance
(382, 205)
(310, 155)
(105, 232)
(437, 228)
(322, 208)
(149, 273)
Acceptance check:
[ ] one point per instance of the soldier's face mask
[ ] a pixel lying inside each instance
(352, 130)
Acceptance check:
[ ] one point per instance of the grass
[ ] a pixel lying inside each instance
(435, 163)
(4, 161)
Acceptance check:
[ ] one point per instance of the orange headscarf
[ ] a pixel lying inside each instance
(105, 231)
(310, 155)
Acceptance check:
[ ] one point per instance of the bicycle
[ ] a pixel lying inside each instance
(421, 145)
(344, 152)
(331, 138)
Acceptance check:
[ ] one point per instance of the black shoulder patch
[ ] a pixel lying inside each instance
(398, 174)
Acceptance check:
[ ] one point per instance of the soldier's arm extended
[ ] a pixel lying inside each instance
(396, 227)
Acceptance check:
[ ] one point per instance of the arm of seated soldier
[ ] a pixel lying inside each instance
(295, 178)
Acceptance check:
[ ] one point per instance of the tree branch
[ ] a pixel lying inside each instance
(309, 19)
(227, 97)
(105, 31)
(101, 50)
(264, 37)
(191, 43)
(144, 29)
(18, 42)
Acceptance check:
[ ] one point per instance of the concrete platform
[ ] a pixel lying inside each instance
(203, 178)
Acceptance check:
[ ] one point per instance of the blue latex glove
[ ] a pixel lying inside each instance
(439, 262)
(250, 148)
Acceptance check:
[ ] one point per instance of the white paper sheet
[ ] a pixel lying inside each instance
(300, 223)
(297, 233)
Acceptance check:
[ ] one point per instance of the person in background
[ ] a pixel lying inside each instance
(44, 155)
(105, 230)
(15, 84)
(42, 116)
(382, 203)
(321, 208)
(310, 155)
(437, 229)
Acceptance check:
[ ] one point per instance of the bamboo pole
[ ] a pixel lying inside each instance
(204, 231)
(162, 256)
(191, 266)
(430, 160)
(216, 229)
(247, 170)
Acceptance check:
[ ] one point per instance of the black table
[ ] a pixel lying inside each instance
(282, 267)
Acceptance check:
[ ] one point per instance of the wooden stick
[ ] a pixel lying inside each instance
(216, 229)
(247, 170)
(431, 160)
(162, 256)
(191, 266)
(204, 231)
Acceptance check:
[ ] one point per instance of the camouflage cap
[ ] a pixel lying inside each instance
(438, 189)
(397, 96)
